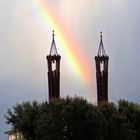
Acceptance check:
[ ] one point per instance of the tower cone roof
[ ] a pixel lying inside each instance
(101, 50)
(53, 50)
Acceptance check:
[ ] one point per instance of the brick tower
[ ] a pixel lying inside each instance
(101, 61)
(53, 60)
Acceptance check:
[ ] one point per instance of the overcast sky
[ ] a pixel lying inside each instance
(24, 43)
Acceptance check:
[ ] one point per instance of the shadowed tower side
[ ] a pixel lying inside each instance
(101, 61)
(53, 60)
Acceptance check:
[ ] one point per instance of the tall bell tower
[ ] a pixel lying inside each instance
(101, 61)
(53, 60)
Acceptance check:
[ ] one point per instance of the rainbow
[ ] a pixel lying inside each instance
(75, 56)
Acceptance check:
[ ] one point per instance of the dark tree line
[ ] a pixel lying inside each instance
(76, 119)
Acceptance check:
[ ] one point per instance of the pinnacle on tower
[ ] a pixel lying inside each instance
(53, 50)
(101, 51)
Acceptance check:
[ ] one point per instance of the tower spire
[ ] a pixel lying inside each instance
(53, 50)
(101, 50)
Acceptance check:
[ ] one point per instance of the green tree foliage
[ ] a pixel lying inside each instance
(23, 117)
(76, 119)
(132, 114)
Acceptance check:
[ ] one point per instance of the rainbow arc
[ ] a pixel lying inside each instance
(76, 58)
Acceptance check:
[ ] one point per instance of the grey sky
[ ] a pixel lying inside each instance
(24, 44)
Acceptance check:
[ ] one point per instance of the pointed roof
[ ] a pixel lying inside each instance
(101, 50)
(53, 50)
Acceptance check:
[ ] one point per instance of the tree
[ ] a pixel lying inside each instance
(117, 126)
(71, 119)
(23, 117)
(75, 119)
(132, 113)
